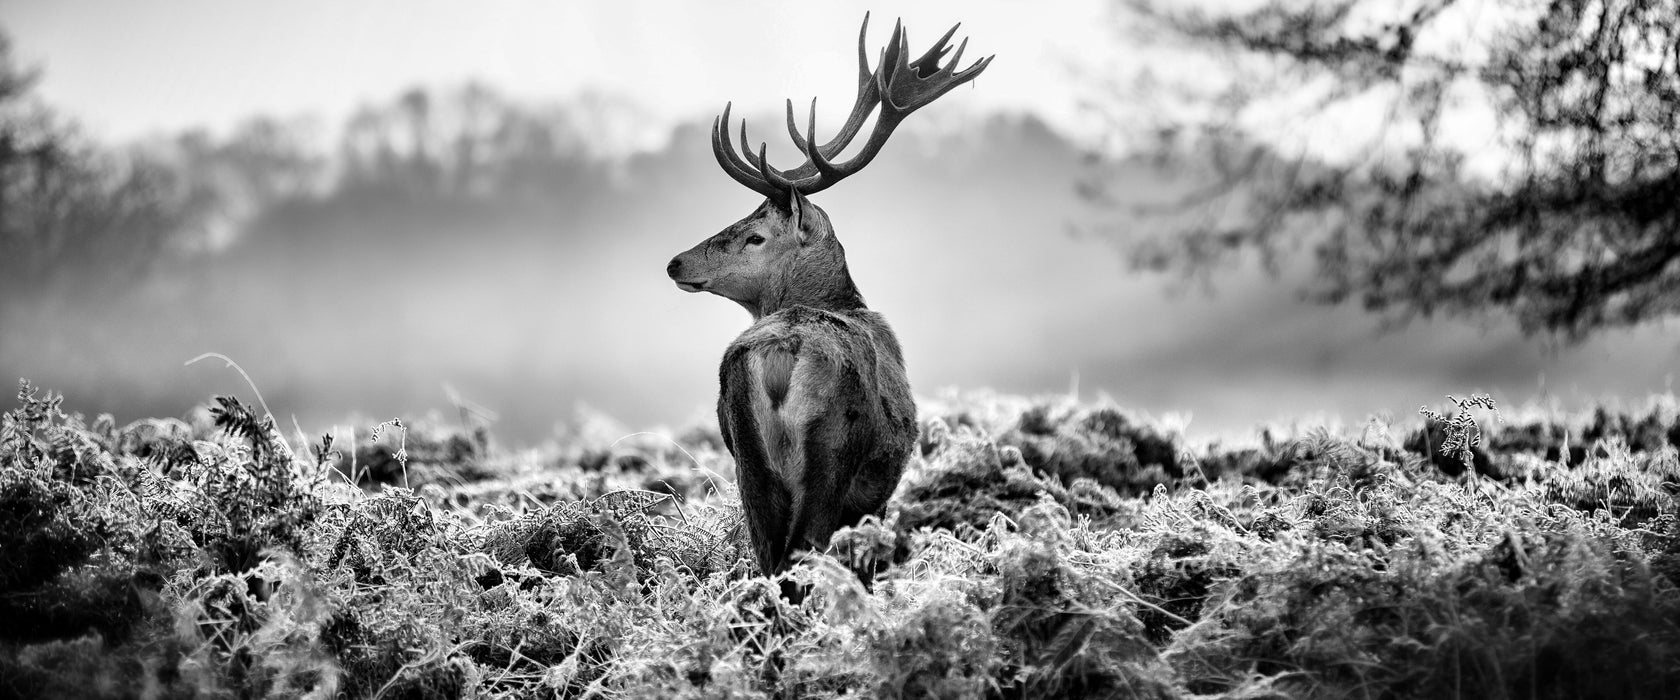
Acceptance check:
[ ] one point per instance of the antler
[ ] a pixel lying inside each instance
(900, 86)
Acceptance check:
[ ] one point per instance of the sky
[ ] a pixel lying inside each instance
(959, 232)
(129, 69)
(133, 69)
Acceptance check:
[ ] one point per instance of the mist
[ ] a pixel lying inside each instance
(539, 294)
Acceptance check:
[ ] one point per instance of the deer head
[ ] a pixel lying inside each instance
(785, 252)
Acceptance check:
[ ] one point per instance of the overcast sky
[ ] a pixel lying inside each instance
(133, 68)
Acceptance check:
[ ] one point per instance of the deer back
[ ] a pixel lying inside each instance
(816, 407)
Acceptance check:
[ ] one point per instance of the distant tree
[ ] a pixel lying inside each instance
(262, 161)
(32, 144)
(75, 218)
(1574, 230)
(466, 142)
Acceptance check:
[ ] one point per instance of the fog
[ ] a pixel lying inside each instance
(364, 305)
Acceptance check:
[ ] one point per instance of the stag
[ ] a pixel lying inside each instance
(813, 403)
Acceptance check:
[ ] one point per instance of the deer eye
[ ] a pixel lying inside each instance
(755, 239)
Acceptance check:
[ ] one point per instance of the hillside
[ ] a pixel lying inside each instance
(1036, 549)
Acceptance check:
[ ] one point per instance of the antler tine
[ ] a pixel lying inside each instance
(864, 74)
(724, 148)
(793, 129)
(883, 79)
(975, 69)
(746, 145)
(801, 141)
(957, 59)
(732, 163)
(824, 167)
(771, 174)
(929, 62)
(767, 172)
(892, 58)
(867, 97)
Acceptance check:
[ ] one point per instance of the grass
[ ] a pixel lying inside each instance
(1035, 549)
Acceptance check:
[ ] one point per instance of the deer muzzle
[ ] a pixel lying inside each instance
(675, 271)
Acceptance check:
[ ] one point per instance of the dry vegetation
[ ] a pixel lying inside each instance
(1036, 550)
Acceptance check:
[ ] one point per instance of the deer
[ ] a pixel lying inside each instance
(814, 403)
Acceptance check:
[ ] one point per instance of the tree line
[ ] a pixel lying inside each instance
(80, 217)
(1578, 230)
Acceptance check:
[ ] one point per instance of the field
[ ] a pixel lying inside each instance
(1037, 549)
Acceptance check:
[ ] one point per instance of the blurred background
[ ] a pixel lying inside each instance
(387, 208)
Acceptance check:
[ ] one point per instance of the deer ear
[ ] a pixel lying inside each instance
(808, 222)
(796, 214)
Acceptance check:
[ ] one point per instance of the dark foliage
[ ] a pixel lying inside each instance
(1306, 567)
(76, 218)
(1578, 231)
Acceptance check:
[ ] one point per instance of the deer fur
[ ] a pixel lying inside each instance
(814, 402)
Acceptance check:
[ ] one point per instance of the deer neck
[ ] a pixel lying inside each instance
(820, 281)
